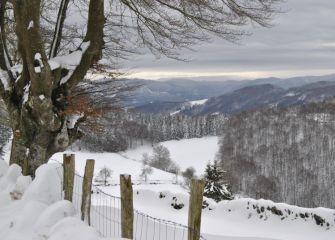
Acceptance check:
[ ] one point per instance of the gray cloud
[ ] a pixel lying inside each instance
(301, 42)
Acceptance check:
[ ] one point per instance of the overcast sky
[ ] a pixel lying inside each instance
(301, 42)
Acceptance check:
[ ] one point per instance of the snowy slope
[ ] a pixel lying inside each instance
(38, 213)
(194, 152)
(234, 220)
(118, 164)
(242, 219)
(41, 214)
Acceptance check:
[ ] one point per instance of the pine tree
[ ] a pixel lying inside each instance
(215, 187)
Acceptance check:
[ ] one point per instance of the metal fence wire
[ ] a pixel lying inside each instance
(105, 216)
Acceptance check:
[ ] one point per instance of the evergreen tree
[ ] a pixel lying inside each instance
(215, 187)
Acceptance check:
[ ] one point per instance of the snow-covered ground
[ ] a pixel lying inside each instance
(242, 219)
(35, 210)
(195, 152)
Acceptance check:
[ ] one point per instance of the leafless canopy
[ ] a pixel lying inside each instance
(38, 37)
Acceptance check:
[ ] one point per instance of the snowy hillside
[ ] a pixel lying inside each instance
(238, 219)
(35, 211)
(196, 152)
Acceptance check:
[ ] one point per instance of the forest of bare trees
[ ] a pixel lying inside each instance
(282, 155)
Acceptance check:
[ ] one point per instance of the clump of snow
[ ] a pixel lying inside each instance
(38, 58)
(3, 168)
(21, 186)
(70, 61)
(73, 119)
(4, 78)
(41, 97)
(53, 65)
(47, 185)
(72, 228)
(31, 25)
(16, 70)
(8, 181)
(26, 94)
(52, 215)
(22, 222)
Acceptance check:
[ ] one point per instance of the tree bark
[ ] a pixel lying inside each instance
(36, 99)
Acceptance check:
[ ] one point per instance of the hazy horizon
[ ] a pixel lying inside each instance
(227, 78)
(300, 43)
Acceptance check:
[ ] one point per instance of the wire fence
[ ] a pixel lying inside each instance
(151, 228)
(105, 217)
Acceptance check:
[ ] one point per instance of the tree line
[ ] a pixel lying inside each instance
(122, 129)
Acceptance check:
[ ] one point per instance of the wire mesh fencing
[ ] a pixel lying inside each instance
(105, 213)
(105, 216)
(147, 227)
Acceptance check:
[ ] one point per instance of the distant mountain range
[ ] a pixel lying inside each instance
(178, 96)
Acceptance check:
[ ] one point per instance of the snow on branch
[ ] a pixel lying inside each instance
(5, 80)
(70, 61)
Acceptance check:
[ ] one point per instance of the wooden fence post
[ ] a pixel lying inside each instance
(195, 209)
(87, 188)
(68, 178)
(127, 207)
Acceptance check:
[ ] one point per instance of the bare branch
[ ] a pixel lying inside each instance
(59, 28)
(94, 36)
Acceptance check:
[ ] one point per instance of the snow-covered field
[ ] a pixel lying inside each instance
(41, 214)
(196, 152)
